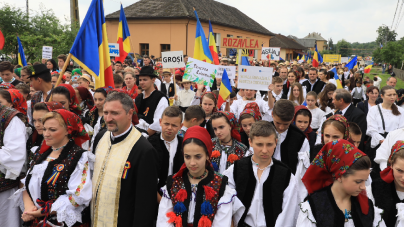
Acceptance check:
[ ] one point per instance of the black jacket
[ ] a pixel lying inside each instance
(356, 115)
(364, 106)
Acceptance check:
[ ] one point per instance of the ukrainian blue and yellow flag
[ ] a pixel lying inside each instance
(90, 49)
(336, 77)
(21, 56)
(201, 48)
(123, 37)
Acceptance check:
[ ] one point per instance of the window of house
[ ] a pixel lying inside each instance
(165, 47)
(144, 49)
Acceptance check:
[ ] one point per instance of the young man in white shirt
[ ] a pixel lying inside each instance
(184, 97)
(265, 186)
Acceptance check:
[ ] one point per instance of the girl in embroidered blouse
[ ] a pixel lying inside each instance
(227, 146)
(388, 192)
(58, 188)
(196, 195)
(335, 181)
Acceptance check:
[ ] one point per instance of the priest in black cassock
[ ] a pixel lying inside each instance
(125, 170)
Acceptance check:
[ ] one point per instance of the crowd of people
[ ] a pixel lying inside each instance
(157, 150)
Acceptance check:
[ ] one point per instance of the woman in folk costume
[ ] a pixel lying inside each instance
(13, 98)
(131, 87)
(196, 195)
(65, 94)
(35, 139)
(57, 188)
(335, 181)
(227, 146)
(250, 114)
(387, 193)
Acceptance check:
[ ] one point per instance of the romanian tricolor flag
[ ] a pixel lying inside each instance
(298, 56)
(123, 37)
(201, 48)
(315, 59)
(90, 49)
(225, 89)
(367, 69)
(212, 46)
(21, 56)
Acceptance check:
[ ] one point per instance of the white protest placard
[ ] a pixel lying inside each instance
(47, 52)
(254, 78)
(270, 53)
(172, 59)
(113, 49)
(231, 71)
(200, 72)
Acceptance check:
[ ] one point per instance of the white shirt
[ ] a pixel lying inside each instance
(13, 153)
(167, 86)
(375, 125)
(184, 98)
(317, 117)
(384, 151)
(229, 208)
(117, 136)
(255, 215)
(77, 190)
(344, 110)
(161, 106)
(277, 97)
(239, 96)
(172, 149)
(238, 106)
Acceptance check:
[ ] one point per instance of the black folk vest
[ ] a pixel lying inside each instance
(146, 107)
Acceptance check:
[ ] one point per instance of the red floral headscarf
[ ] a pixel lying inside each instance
(253, 109)
(197, 132)
(387, 173)
(86, 96)
(309, 129)
(235, 127)
(334, 159)
(54, 106)
(6, 86)
(74, 127)
(74, 103)
(132, 92)
(18, 101)
(344, 121)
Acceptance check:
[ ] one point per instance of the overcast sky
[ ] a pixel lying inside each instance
(352, 20)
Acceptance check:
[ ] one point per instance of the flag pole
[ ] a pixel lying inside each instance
(67, 62)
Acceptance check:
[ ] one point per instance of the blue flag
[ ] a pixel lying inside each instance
(352, 63)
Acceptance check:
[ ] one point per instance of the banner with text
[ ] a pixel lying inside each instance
(240, 43)
(172, 59)
(254, 78)
(47, 52)
(200, 72)
(231, 71)
(113, 49)
(270, 53)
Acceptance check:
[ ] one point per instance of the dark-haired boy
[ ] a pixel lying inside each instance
(356, 133)
(7, 73)
(168, 144)
(194, 115)
(265, 186)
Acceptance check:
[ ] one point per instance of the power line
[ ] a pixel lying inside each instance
(391, 27)
(399, 16)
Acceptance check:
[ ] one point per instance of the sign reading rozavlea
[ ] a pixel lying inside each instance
(231, 71)
(270, 53)
(172, 59)
(113, 49)
(200, 72)
(47, 52)
(240, 43)
(254, 78)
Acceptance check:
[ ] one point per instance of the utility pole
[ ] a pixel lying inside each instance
(27, 10)
(74, 13)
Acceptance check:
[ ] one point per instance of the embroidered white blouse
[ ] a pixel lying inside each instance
(384, 151)
(69, 206)
(229, 208)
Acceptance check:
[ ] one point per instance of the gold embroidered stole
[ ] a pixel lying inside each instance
(108, 169)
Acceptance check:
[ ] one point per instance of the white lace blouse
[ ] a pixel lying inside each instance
(68, 207)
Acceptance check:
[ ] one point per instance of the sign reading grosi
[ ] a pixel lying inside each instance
(254, 78)
(113, 49)
(270, 53)
(200, 72)
(172, 59)
(231, 71)
(47, 52)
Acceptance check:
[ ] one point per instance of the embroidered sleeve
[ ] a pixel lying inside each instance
(69, 206)
(378, 221)
(306, 217)
(229, 208)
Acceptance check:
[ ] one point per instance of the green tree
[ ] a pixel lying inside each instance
(43, 28)
(344, 48)
(385, 35)
(331, 46)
